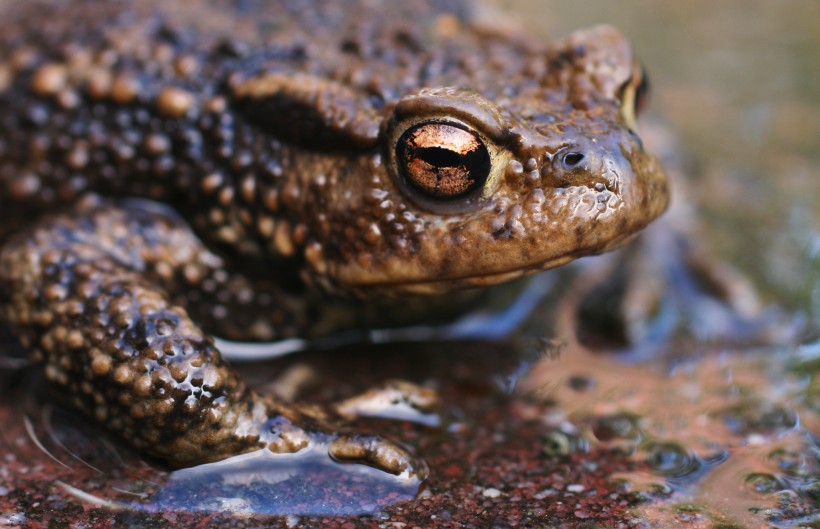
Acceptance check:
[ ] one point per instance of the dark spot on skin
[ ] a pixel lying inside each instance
(230, 48)
(350, 46)
(580, 235)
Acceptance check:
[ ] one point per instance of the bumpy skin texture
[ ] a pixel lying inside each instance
(271, 127)
(87, 299)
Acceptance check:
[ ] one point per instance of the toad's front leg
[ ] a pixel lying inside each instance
(87, 293)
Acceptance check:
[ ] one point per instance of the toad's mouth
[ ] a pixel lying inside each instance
(412, 283)
(439, 286)
(442, 286)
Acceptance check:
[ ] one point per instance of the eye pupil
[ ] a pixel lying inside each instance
(440, 157)
(442, 160)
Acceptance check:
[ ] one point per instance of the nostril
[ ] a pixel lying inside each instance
(571, 160)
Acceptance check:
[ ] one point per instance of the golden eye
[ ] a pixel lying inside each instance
(634, 95)
(442, 160)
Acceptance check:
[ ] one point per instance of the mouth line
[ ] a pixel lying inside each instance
(443, 285)
(500, 276)
(431, 284)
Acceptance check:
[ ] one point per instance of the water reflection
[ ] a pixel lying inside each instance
(99, 472)
(305, 483)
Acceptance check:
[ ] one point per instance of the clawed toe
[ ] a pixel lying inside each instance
(379, 453)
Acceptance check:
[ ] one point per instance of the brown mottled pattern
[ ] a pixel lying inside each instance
(271, 128)
(85, 295)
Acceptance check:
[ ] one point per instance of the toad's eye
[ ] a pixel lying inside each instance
(442, 160)
(634, 95)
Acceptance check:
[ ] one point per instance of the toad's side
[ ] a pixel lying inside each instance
(169, 170)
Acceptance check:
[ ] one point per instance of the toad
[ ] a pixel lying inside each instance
(172, 170)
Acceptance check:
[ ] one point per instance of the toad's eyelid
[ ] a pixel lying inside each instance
(457, 105)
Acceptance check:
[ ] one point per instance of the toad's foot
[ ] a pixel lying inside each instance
(87, 294)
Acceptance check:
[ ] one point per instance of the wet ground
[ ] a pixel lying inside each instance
(560, 425)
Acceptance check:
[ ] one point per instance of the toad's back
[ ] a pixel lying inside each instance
(139, 98)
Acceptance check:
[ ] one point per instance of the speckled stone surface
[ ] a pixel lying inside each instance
(491, 469)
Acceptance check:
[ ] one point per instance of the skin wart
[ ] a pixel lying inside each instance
(175, 169)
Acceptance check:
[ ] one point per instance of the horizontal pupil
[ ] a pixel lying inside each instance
(438, 157)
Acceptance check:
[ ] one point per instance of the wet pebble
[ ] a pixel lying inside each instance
(765, 483)
(672, 460)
